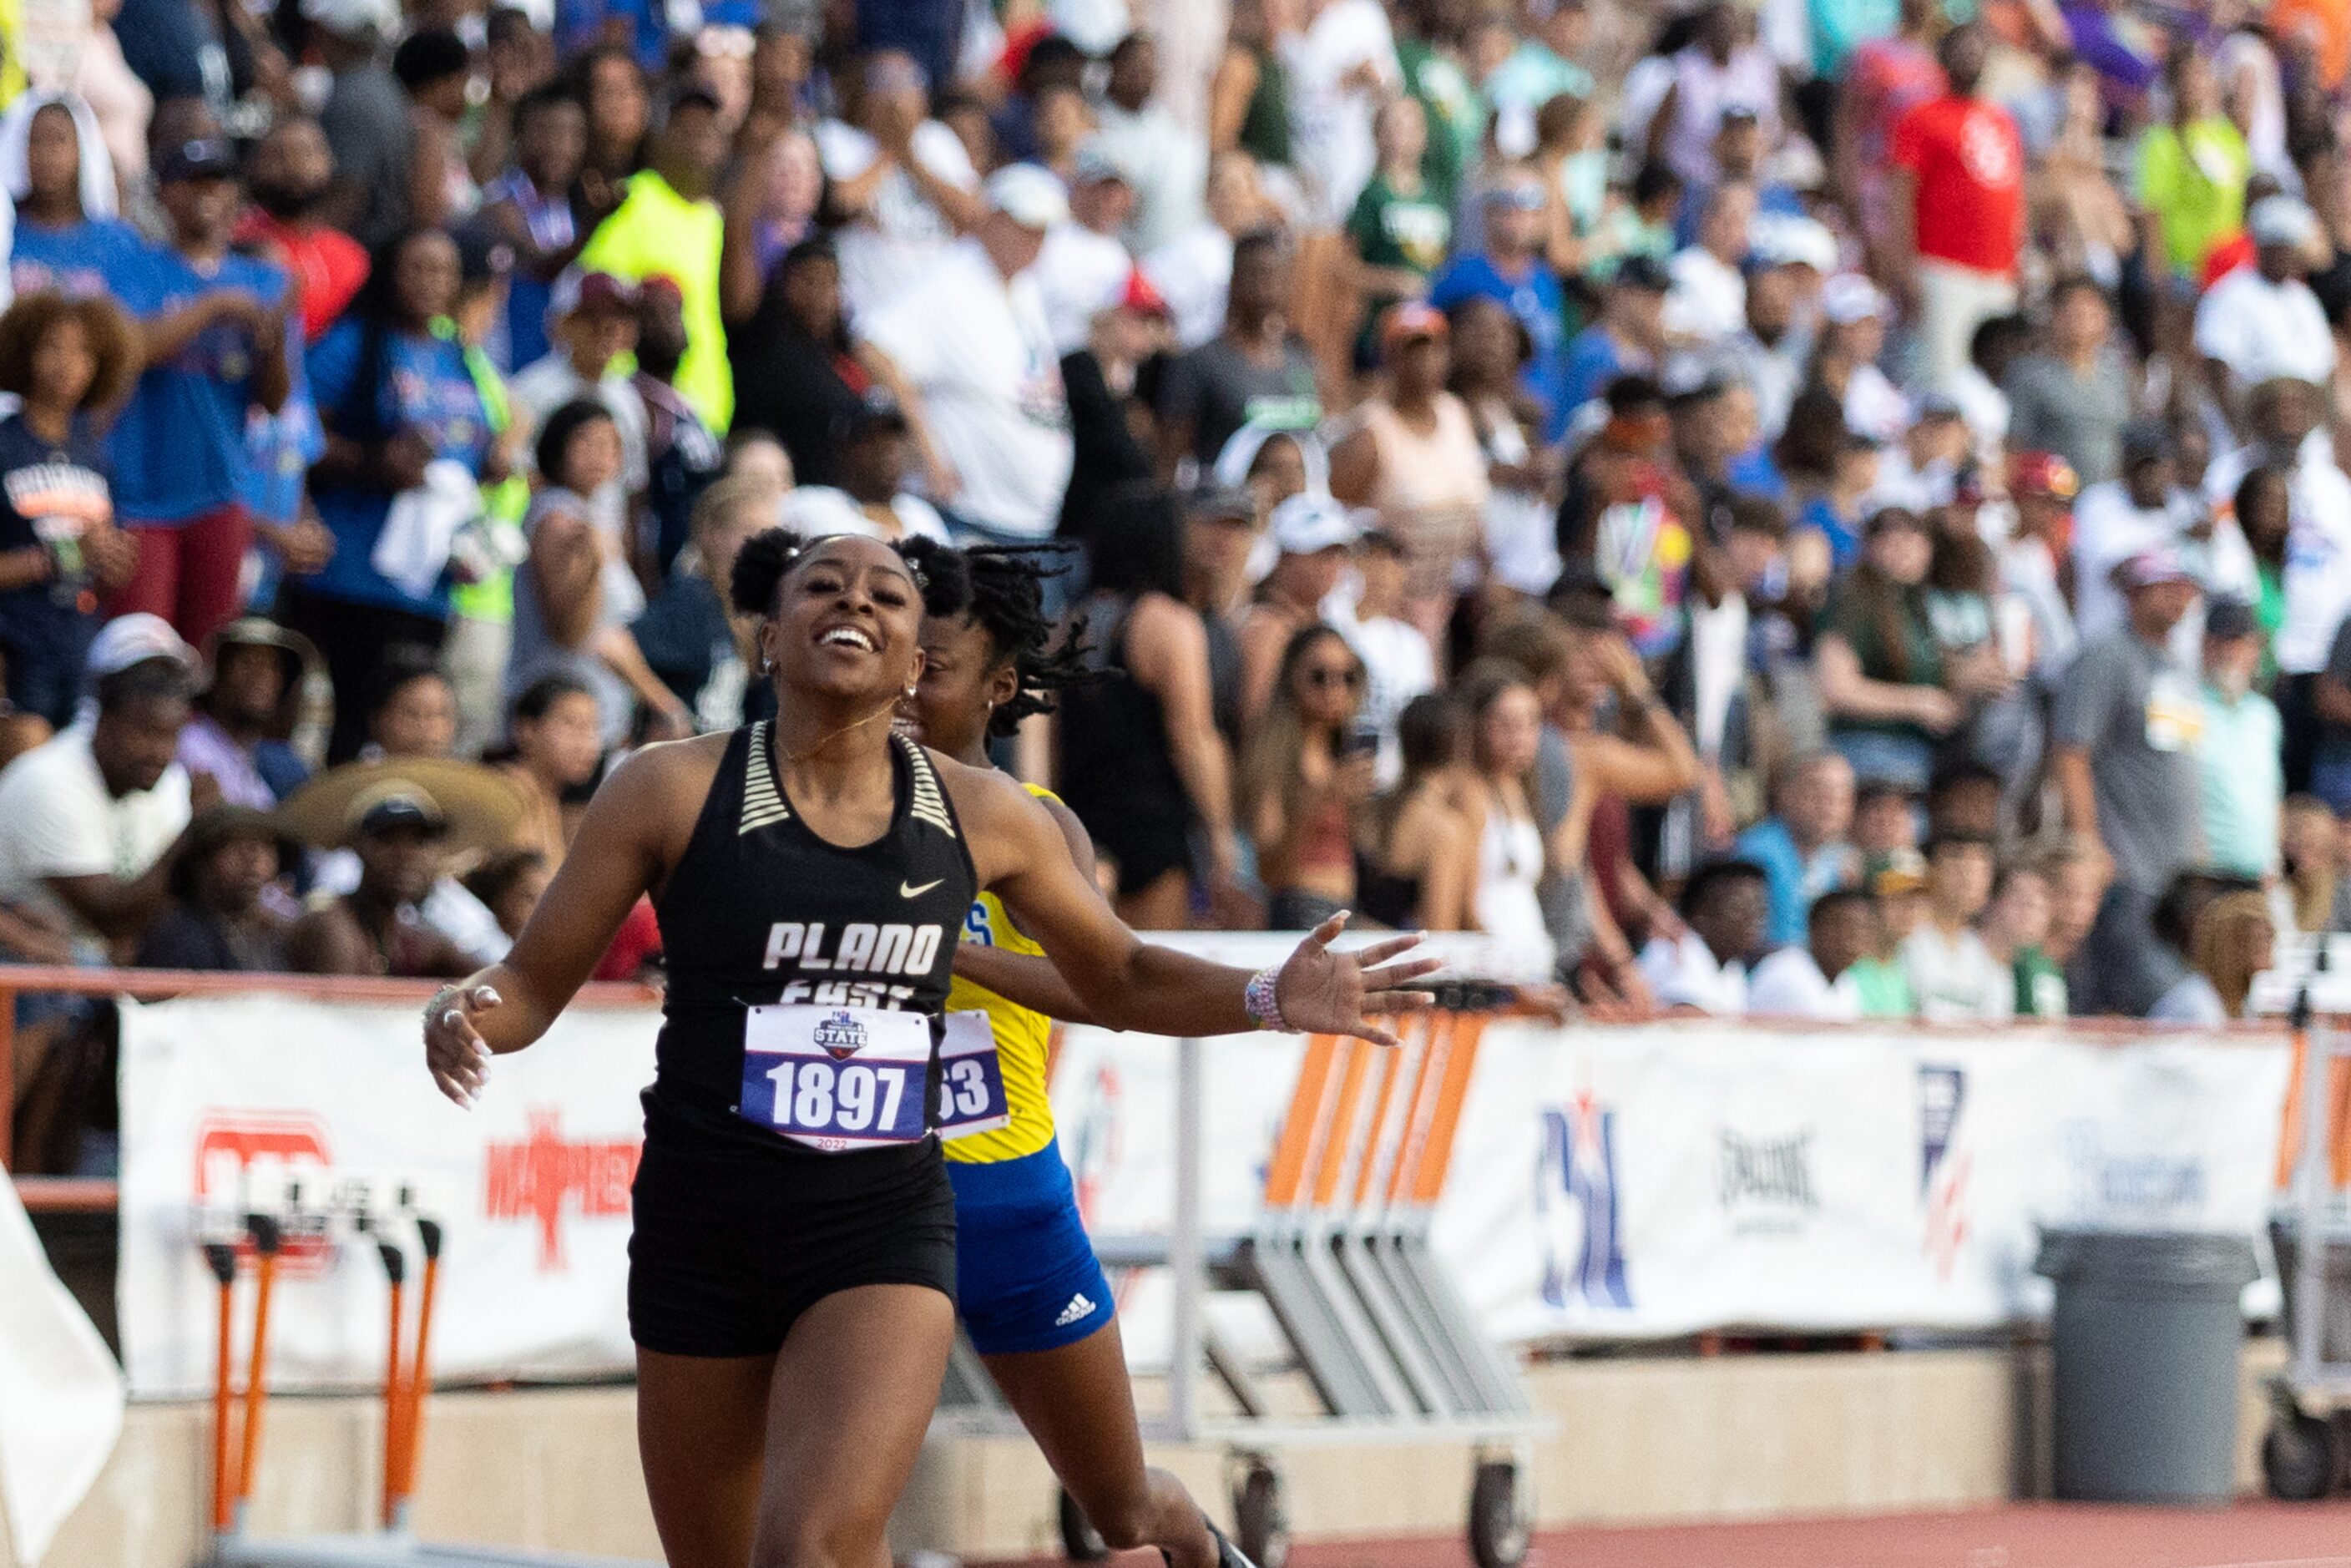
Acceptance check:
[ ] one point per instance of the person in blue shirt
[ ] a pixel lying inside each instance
(1511, 269)
(67, 236)
(217, 346)
(1738, 156)
(1628, 337)
(394, 394)
(1802, 846)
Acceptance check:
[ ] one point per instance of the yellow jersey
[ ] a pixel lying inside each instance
(1022, 1036)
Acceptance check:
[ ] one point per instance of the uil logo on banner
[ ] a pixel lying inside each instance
(1579, 1161)
(1942, 1182)
(840, 1037)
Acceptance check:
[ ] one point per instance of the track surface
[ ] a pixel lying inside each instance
(2028, 1535)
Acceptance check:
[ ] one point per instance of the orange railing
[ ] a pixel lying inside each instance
(69, 1193)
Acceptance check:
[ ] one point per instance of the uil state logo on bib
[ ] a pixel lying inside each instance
(840, 1037)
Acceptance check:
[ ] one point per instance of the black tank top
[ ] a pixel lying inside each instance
(761, 910)
(1116, 768)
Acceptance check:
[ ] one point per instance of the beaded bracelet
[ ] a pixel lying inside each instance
(1260, 1000)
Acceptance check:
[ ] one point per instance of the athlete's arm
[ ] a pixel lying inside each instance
(1025, 978)
(622, 847)
(1126, 982)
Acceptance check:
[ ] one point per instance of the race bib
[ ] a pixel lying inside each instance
(836, 1078)
(971, 1079)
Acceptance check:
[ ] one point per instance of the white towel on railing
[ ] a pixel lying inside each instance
(60, 1392)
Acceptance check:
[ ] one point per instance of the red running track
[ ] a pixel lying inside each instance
(2027, 1535)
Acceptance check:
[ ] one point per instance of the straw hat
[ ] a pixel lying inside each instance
(477, 808)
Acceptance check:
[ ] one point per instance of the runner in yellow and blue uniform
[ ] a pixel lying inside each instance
(1028, 1287)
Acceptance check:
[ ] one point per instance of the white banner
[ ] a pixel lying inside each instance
(1605, 1182)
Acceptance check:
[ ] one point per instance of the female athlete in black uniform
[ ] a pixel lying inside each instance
(792, 1271)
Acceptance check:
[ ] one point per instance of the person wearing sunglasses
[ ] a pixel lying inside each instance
(1313, 534)
(1306, 780)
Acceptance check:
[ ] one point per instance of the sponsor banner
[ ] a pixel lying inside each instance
(1606, 1183)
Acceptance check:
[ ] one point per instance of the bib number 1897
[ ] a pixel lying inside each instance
(836, 1078)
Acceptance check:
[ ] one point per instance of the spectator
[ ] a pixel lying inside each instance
(668, 225)
(1844, 358)
(1884, 78)
(554, 752)
(872, 497)
(1110, 436)
(1802, 847)
(1770, 347)
(2075, 399)
(2034, 574)
(95, 817)
(1414, 460)
(1707, 305)
(409, 710)
(575, 595)
(1399, 664)
(216, 340)
(1160, 158)
(2238, 777)
(1420, 859)
(1341, 66)
(1306, 779)
(1959, 163)
(529, 206)
(396, 398)
(903, 182)
(809, 386)
(435, 70)
(1881, 668)
(593, 322)
(366, 119)
(1964, 799)
(1815, 979)
(1083, 266)
(2231, 941)
(1722, 68)
(611, 87)
(376, 928)
(1311, 536)
(1141, 762)
(971, 359)
(68, 363)
(1256, 373)
(510, 882)
(682, 454)
(1249, 98)
(2145, 508)
(1628, 337)
(288, 178)
(1511, 852)
(2015, 928)
(1429, 54)
(2124, 734)
(241, 730)
(1705, 969)
(221, 916)
(2310, 851)
(2261, 321)
(1193, 272)
(685, 635)
(1520, 529)
(1952, 974)
(66, 234)
(1512, 269)
(2192, 172)
(1400, 229)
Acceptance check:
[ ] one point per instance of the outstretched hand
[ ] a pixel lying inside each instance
(1322, 992)
(454, 1047)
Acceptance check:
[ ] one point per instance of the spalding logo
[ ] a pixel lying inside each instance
(841, 1036)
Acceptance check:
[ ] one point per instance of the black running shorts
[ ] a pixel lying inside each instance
(728, 1252)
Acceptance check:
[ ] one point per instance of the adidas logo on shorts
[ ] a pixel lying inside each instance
(1076, 1312)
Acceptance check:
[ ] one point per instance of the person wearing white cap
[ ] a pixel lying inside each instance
(1085, 265)
(90, 821)
(970, 358)
(365, 117)
(1313, 534)
(2262, 321)
(1852, 337)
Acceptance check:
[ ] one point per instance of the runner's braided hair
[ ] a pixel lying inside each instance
(773, 554)
(1006, 598)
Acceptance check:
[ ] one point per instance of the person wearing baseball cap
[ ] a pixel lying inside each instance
(2124, 736)
(592, 323)
(971, 359)
(2262, 321)
(1084, 265)
(1312, 534)
(2240, 783)
(216, 354)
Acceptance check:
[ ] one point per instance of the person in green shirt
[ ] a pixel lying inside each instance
(2192, 172)
(2014, 928)
(1899, 888)
(1881, 666)
(1398, 233)
(669, 225)
(1429, 54)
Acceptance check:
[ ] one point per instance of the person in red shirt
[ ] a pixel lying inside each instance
(288, 177)
(1958, 170)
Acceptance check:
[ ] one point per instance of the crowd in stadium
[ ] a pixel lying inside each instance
(1819, 507)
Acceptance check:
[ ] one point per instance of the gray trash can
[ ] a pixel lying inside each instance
(2146, 1341)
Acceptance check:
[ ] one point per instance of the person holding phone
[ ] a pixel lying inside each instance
(1306, 780)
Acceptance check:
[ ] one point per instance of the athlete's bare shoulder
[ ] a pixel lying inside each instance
(1001, 822)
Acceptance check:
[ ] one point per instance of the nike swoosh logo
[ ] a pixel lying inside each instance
(908, 891)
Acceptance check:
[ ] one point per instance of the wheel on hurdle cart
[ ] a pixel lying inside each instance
(2301, 1455)
(1080, 1541)
(1497, 1520)
(1261, 1524)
